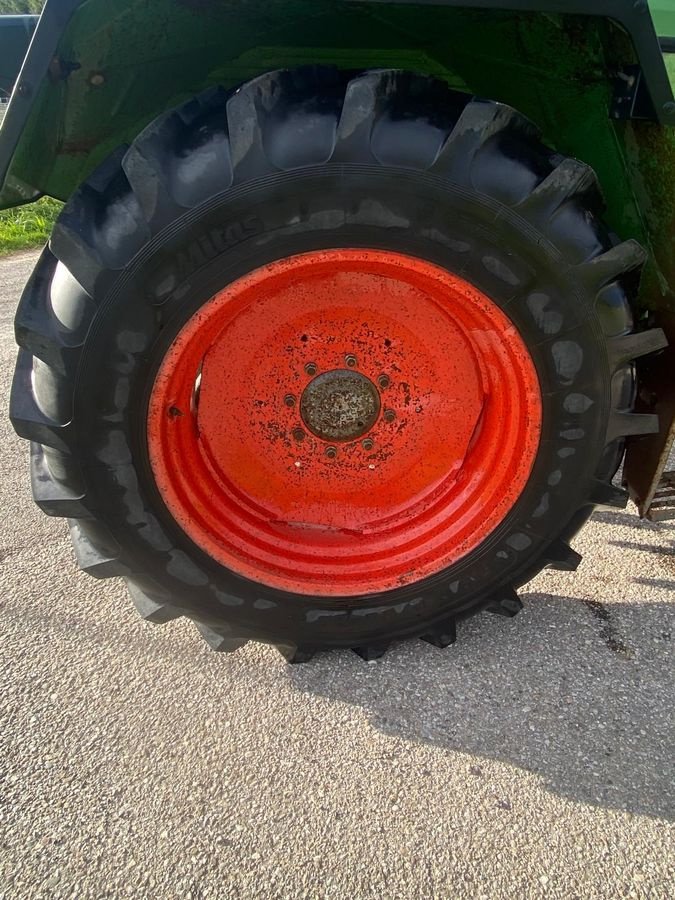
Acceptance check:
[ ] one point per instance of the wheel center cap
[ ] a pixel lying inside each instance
(340, 405)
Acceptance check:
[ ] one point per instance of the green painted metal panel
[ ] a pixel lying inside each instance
(136, 59)
(119, 65)
(663, 13)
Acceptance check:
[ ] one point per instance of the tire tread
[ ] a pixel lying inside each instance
(253, 134)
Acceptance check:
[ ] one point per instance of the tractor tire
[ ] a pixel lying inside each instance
(329, 361)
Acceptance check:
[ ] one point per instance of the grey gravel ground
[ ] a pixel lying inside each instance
(533, 759)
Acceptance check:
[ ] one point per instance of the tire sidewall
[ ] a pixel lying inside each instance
(143, 307)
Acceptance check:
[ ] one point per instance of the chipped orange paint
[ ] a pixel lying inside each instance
(448, 456)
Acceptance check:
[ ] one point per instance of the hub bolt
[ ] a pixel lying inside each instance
(331, 452)
(350, 359)
(310, 368)
(383, 381)
(368, 444)
(298, 434)
(389, 415)
(289, 400)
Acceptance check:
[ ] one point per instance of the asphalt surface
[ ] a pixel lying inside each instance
(532, 759)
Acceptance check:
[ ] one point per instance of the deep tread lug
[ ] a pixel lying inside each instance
(295, 655)
(106, 173)
(153, 164)
(27, 418)
(604, 494)
(443, 635)
(569, 179)
(600, 271)
(219, 640)
(70, 248)
(627, 347)
(36, 328)
(366, 132)
(53, 497)
(562, 558)
(70, 306)
(371, 652)
(96, 551)
(152, 606)
(244, 113)
(84, 239)
(363, 99)
(480, 121)
(147, 182)
(44, 343)
(508, 604)
(625, 424)
(193, 111)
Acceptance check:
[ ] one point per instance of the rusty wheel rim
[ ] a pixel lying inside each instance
(344, 422)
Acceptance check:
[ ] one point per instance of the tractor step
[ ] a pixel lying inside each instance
(662, 506)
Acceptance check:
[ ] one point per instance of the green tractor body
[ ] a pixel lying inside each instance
(598, 79)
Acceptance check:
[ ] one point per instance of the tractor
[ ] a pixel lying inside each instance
(356, 309)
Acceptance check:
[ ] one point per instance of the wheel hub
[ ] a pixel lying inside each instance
(344, 422)
(340, 405)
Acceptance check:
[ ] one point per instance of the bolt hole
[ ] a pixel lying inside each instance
(174, 412)
(298, 434)
(304, 339)
(387, 342)
(310, 368)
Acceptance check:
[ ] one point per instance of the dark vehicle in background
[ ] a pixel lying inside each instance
(15, 36)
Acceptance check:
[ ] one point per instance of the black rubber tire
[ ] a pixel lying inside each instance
(304, 160)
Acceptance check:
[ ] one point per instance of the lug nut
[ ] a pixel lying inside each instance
(331, 452)
(289, 400)
(383, 381)
(298, 434)
(310, 368)
(350, 359)
(368, 444)
(389, 415)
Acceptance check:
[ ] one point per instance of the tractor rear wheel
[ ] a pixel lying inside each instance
(329, 361)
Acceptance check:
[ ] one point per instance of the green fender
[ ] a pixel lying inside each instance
(97, 73)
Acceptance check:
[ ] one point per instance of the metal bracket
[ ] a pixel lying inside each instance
(631, 98)
(649, 457)
(663, 504)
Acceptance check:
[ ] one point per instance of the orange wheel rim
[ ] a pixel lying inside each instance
(344, 422)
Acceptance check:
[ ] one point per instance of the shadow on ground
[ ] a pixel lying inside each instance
(573, 690)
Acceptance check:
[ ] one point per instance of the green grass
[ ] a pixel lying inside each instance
(27, 226)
